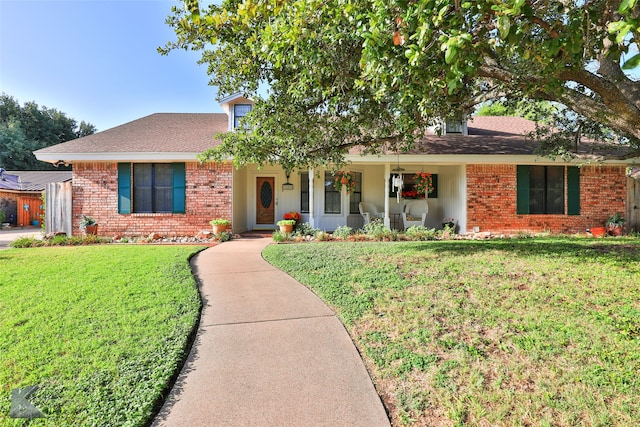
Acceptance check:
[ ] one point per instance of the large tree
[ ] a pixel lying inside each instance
(24, 129)
(377, 73)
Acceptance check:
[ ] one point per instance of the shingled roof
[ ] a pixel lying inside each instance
(156, 133)
(170, 136)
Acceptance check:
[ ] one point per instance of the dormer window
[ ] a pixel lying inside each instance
(455, 125)
(239, 111)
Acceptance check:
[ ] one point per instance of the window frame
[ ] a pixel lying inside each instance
(570, 190)
(126, 189)
(238, 116)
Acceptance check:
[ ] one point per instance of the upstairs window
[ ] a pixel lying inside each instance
(239, 111)
(453, 125)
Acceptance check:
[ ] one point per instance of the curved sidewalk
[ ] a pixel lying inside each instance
(268, 352)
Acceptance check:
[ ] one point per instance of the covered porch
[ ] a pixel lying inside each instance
(261, 196)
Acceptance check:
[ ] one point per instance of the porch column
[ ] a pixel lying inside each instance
(312, 214)
(387, 172)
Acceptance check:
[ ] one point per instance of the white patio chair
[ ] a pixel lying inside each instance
(415, 213)
(369, 211)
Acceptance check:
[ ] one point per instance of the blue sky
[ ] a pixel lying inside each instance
(96, 60)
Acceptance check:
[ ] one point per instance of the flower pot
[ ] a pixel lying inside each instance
(614, 230)
(91, 230)
(287, 228)
(219, 228)
(598, 231)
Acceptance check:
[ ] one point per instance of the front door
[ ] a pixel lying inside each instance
(265, 200)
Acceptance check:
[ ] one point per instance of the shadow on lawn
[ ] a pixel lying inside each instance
(621, 252)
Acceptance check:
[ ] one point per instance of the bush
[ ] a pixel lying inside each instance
(224, 236)
(420, 232)
(305, 229)
(279, 236)
(343, 232)
(376, 230)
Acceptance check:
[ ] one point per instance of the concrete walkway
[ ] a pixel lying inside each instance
(268, 352)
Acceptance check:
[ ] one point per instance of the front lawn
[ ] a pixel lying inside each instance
(100, 329)
(521, 332)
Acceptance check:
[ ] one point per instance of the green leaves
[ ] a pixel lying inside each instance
(336, 78)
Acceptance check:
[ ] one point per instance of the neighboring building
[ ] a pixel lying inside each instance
(21, 191)
(143, 177)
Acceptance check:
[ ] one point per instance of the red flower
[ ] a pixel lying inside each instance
(292, 215)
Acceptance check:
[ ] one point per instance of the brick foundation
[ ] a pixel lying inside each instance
(491, 200)
(95, 194)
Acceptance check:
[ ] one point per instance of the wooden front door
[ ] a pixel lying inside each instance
(265, 200)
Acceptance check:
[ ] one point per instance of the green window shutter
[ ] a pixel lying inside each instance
(573, 190)
(434, 181)
(124, 188)
(179, 187)
(522, 189)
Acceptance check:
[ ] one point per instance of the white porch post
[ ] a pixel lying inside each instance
(387, 172)
(312, 214)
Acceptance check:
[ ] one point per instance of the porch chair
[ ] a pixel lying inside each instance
(415, 213)
(369, 211)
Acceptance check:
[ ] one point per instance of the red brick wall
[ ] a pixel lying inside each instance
(491, 200)
(95, 194)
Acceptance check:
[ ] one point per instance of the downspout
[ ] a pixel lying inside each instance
(387, 173)
(312, 214)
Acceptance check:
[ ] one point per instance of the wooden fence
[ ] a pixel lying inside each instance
(58, 205)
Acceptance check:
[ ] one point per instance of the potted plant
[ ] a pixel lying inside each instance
(88, 225)
(615, 224)
(345, 179)
(286, 225)
(294, 216)
(219, 225)
(449, 222)
(423, 183)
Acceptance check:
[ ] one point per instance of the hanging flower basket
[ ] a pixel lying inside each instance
(345, 179)
(423, 183)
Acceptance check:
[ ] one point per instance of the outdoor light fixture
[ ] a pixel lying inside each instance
(287, 185)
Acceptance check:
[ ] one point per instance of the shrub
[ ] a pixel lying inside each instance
(279, 236)
(224, 236)
(420, 232)
(305, 229)
(343, 232)
(376, 230)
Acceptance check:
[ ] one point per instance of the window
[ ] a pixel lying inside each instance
(332, 196)
(239, 111)
(407, 188)
(453, 126)
(151, 188)
(355, 197)
(304, 192)
(541, 190)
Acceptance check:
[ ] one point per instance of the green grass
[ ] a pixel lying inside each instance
(522, 332)
(100, 329)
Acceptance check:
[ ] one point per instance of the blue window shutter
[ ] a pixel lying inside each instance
(179, 187)
(124, 188)
(573, 190)
(522, 189)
